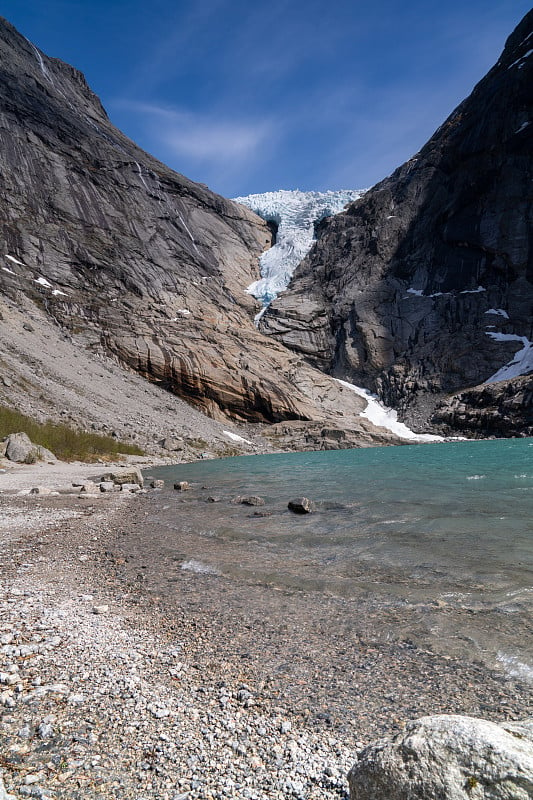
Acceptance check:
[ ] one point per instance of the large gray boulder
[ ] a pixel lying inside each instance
(448, 757)
(20, 448)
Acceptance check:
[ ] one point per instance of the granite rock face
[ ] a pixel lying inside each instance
(400, 291)
(142, 263)
(448, 758)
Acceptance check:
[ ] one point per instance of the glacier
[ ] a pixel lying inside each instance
(295, 213)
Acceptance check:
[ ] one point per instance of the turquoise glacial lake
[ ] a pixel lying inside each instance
(442, 532)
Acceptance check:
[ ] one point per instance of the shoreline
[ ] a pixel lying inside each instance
(157, 699)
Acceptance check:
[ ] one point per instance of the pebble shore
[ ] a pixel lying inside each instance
(105, 692)
(96, 702)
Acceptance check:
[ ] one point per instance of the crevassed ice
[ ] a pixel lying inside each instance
(295, 213)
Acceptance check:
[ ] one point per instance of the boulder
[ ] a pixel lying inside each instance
(249, 500)
(130, 487)
(128, 475)
(182, 486)
(88, 487)
(157, 484)
(41, 490)
(108, 486)
(19, 448)
(172, 444)
(301, 505)
(448, 757)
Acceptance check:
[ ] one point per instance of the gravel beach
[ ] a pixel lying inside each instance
(111, 688)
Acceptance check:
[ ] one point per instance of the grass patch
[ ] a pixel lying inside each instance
(64, 442)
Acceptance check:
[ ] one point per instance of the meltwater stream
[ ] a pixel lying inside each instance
(437, 538)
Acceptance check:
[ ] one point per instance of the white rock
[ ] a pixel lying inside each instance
(100, 609)
(451, 757)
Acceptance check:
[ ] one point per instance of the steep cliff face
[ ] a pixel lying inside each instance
(131, 259)
(402, 292)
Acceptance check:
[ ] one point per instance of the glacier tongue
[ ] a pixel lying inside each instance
(295, 213)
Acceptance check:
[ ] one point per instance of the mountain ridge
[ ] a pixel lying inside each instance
(394, 293)
(132, 261)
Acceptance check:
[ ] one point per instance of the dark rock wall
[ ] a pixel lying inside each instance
(455, 218)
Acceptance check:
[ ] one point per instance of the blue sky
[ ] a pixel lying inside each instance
(251, 97)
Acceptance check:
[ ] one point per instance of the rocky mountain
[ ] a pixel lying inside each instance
(423, 288)
(109, 257)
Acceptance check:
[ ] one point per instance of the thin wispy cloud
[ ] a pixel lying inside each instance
(250, 97)
(209, 144)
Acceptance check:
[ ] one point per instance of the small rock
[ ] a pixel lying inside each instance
(130, 475)
(214, 499)
(43, 490)
(157, 484)
(249, 500)
(182, 486)
(130, 487)
(301, 505)
(45, 730)
(89, 487)
(104, 609)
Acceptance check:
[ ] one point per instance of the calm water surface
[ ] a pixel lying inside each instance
(442, 532)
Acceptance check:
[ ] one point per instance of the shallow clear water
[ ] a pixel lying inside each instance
(443, 532)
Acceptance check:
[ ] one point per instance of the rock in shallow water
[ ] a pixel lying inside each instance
(448, 757)
(301, 505)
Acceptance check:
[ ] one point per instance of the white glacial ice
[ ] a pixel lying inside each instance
(295, 213)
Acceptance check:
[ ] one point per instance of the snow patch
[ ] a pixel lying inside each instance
(474, 291)
(236, 437)
(522, 127)
(43, 282)
(184, 313)
(58, 291)
(6, 269)
(16, 261)
(384, 417)
(417, 292)
(498, 311)
(522, 363)
(295, 213)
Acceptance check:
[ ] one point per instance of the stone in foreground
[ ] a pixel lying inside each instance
(301, 505)
(448, 757)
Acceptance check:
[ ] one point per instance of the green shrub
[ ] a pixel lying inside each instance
(66, 443)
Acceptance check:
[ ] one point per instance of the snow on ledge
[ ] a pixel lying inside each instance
(384, 417)
(236, 438)
(522, 363)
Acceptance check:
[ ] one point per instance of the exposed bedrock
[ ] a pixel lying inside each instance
(132, 259)
(401, 290)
